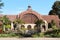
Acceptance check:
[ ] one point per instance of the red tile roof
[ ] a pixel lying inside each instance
(1, 15)
(11, 17)
(48, 18)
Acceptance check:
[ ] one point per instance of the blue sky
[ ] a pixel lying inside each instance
(13, 7)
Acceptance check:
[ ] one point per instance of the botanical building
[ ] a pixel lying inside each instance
(30, 16)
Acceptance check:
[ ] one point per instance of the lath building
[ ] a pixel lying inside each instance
(29, 16)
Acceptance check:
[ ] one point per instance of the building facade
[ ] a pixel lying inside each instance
(30, 17)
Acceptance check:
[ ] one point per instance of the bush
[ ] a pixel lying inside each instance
(41, 34)
(8, 35)
(53, 33)
(35, 35)
(38, 35)
(54, 27)
(7, 26)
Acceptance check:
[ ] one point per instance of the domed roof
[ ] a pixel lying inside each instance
(30, 16)
(28, 11)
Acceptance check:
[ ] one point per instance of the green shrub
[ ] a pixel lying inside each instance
(35, 35)
(54, 27)
(41, 34)
(53, 33)
(38, 35)
(8, 35)
(7, 26)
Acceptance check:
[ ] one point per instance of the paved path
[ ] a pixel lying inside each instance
(29, 38)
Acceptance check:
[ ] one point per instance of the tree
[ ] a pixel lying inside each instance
(1, 5)
(55, 9)
(53, 24)
(18, 22)
(5, 21)
(38, 23)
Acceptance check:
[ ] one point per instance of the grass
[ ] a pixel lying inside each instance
(9, 35)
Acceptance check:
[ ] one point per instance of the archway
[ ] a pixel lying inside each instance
(44, 27)
(49, 25)
(15, 25)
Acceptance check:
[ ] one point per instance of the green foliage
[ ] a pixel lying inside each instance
(1, 4)
(41, 34)
(7, 26)
(8, 35)
(53, 33)
(38, 35)
(39, 22)
(55, 9)
(52, 12)
(5, 20)
(19, 21)
(35, 36)
(53, 25)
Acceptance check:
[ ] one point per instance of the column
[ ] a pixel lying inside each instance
(4, 28)
(12, 26)
(32, 26)
(46, 26)
(25, 25)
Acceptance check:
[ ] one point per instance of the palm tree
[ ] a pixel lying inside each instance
(38, 23)
(18, 22)
(5, 21)
(1, 4)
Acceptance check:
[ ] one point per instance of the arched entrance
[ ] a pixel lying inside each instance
(49, 25)
(44, 27)
(15, 25)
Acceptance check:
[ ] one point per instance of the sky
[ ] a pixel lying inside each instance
(14, 7)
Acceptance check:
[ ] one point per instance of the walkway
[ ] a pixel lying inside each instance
(29, 38)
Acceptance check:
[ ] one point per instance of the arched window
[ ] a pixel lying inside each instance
(35, 27)
(29, 27)
(22, 26)
(29, 18)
